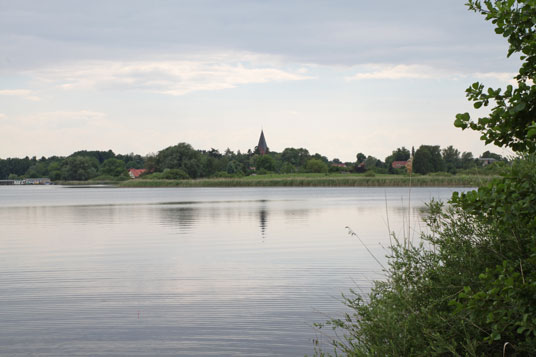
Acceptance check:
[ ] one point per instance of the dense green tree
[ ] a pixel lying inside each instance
(54, 170)
(400, 154)
(113, 167)
(100, 156)
(192, 167)
(287, 168)
(320, 157)
(467, 161)
(150, 163)
(132, 161)
(4, 169)
(295, 157)
(490, 155)
(19, 166)
(360, 157)
(371, 163)
(180, 156)
(174, 174)
(79, 168)
(428, 159)
(451, 157)
(265, 162)
(39, 169)
(234, 167)
(316, 165)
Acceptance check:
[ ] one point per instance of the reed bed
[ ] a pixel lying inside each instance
(326, 181)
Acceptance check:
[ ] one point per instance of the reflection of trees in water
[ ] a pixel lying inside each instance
(263, 219)
(184, 218)
(291, 215)
(187, 217)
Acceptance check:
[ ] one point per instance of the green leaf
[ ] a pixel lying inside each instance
(477, 105)
(520, 106)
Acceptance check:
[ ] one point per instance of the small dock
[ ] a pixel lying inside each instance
(28, 181)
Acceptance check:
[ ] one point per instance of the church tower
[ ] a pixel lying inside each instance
(263, 148)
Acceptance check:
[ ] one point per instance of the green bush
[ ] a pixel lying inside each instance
(316, 165)
(175, 174)
(468, 289)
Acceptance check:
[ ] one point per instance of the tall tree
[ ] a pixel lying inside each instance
(360, 157)
(400, 154)
(490, 155)
(511, 122)
(180, 156)
(79, 168)
(113, 167)
(295, 157)
(428, 159)
(451, 157)
(467, 160)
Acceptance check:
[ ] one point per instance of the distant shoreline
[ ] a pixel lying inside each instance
(317, 181)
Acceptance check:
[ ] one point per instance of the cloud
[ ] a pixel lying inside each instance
(23, 93)
(417, 71)
(61, 120)
(505, 77)
(399, 71)
(172, 77)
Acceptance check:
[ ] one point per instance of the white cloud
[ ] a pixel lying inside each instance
(505, 77)
(399, 71)
(23, 93)
(172, 77)
(416, 71)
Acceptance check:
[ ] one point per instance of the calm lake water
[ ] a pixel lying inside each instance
(187, 271)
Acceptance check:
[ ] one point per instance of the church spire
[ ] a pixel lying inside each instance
(262, 147)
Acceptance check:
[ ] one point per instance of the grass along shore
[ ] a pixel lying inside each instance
(317, 180)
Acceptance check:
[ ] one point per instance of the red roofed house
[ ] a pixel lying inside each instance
(399, 164)
(338, 164)
(135, 173)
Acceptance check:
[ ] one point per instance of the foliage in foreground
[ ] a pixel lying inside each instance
(468, 289)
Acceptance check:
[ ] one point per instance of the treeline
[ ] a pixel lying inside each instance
(79, 166)
(432, 159)
(182, 161)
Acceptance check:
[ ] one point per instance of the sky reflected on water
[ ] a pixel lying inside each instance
(209, 271)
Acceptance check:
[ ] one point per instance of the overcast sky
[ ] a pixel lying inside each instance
(335, 77)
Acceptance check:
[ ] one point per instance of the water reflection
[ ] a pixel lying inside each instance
(76, 270)
(183, 217)
(263, 220)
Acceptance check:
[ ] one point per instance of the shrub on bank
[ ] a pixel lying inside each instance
(469, 288)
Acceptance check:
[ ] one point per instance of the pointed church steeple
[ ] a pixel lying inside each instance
(262, 147)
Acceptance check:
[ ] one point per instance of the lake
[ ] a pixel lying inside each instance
(188, 271)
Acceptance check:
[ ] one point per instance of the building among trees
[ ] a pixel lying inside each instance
(262, 147)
